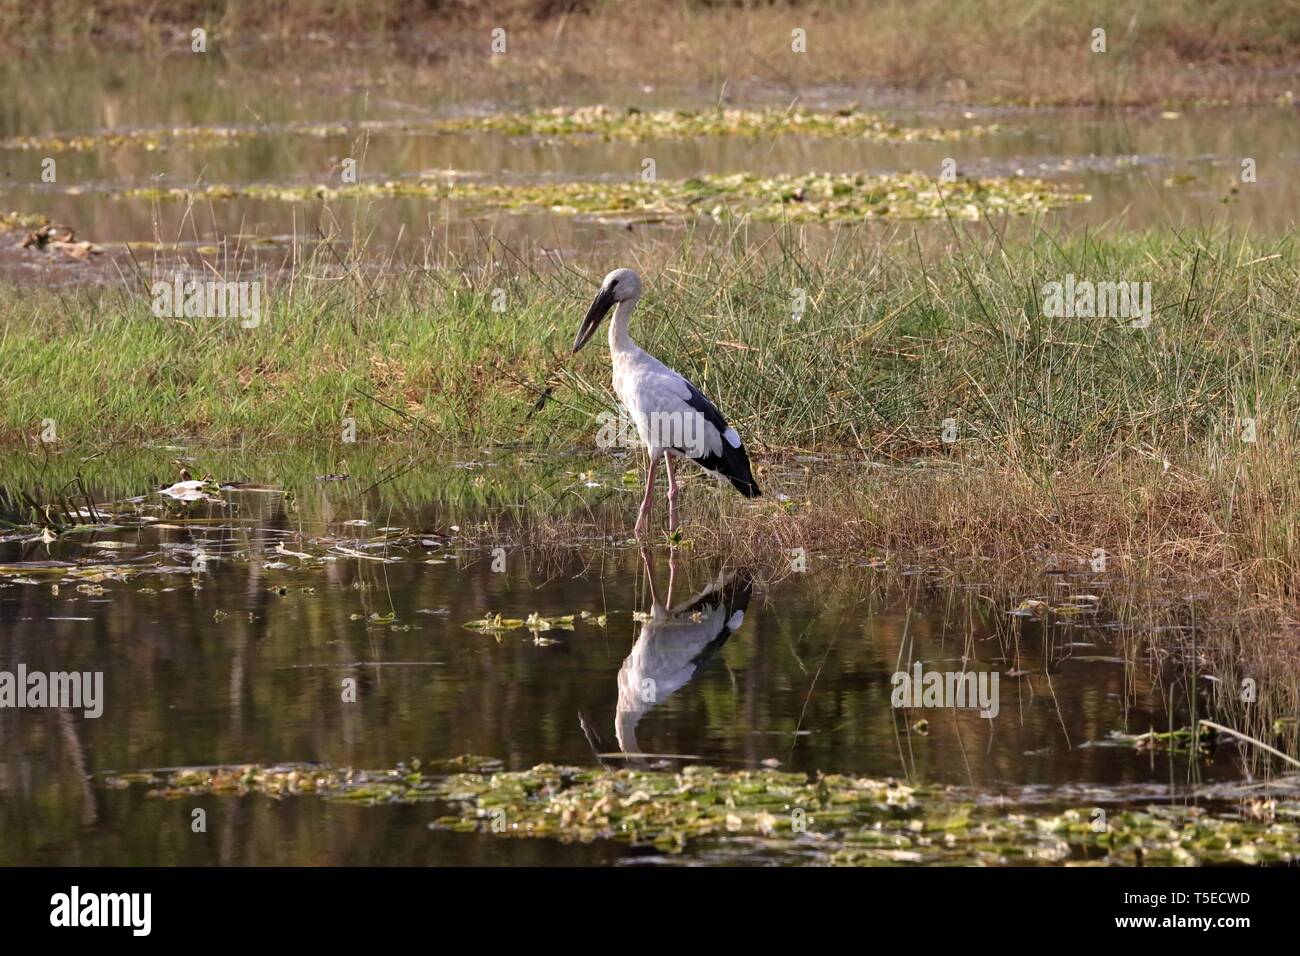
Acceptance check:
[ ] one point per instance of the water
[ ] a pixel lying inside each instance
(242, 657)
(1142, 169)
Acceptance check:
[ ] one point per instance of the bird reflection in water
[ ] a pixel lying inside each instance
(673, 646)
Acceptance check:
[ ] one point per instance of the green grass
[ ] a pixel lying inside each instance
(893, 343)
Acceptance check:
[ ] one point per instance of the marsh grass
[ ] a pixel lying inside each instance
(893, 340)
(1073, 437)
(937, 350)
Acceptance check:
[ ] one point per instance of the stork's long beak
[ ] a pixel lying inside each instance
(600, 307)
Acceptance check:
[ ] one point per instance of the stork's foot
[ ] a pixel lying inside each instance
(642, 522)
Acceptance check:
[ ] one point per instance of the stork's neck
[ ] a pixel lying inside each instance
(619, 339)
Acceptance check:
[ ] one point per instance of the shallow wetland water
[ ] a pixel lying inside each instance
(226, 630)
(121, 142)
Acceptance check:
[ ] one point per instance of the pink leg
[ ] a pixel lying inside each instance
(644, 514)
(672, 494)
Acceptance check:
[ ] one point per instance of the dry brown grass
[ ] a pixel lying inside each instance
(1166, 532)
(1176, 51)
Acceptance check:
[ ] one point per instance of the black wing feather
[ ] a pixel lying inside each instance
(733, 463)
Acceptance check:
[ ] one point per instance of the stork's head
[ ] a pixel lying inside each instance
(620, 285)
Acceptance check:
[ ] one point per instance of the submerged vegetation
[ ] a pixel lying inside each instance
(828, 819)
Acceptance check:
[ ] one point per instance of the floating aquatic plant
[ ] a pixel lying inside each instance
(635, 124)
(22, 220)
(193, 489)
(812, 197)
(1183, 740)
(561, 122)
(149, 139)
(836, 819)
(495, 623)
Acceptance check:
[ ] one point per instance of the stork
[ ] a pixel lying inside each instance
(672, 416)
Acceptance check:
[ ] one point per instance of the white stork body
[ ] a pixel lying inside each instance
(671, 415)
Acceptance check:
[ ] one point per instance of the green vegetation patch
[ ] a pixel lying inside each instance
(562, 122)
(21, 220)
(815, 197)
(892, 344)
(634, 124)
(835, 819)
(147, 139)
